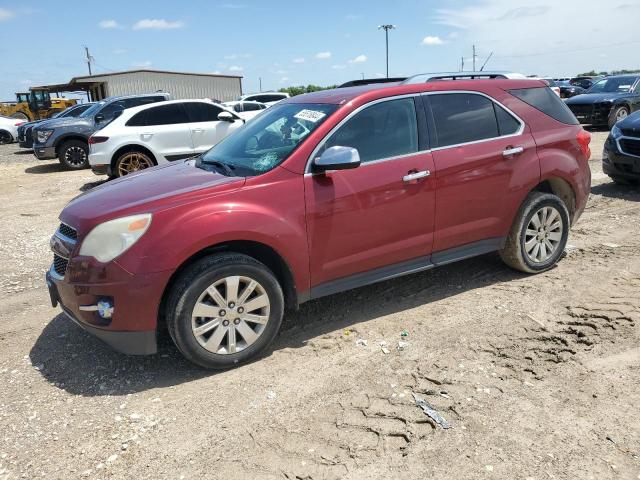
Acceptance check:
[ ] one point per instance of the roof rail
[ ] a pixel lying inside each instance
(482, 75)
(369, 81)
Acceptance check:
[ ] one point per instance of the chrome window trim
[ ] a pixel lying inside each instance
(637, 139)
(308, 170)
(517, 133)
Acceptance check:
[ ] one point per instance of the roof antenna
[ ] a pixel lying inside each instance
(485, 62)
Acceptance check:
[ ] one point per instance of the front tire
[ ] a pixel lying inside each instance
(538, 235)
(618, 114)
(224, 310)
(74, 155)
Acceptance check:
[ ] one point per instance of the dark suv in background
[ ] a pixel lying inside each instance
(67, 138)
(608, 101)
(25, 138)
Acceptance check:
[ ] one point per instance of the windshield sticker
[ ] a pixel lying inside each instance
(309, 115)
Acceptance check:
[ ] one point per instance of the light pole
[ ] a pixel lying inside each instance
(386, 29)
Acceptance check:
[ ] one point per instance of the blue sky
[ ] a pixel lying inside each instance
(293, 42)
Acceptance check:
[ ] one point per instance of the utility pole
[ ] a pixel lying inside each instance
(89, 58)
(260, 80)
(474, 58)
(386, 29)
(462, 64)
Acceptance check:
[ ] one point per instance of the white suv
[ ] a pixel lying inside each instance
(149, 135)
(268, 98)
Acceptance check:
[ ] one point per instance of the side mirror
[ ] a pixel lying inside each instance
(337, 158)
(226, 117)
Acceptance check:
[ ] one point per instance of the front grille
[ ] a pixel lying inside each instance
(60, 265)
(67, 231)
(631, 132)
(630, 146)
(581, 109)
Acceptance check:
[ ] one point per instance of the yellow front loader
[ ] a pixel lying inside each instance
(35, 105)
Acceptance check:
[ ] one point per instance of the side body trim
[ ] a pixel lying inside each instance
(405, 268)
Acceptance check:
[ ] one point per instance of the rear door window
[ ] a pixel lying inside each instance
(384, 130)
(507, 123)
(171, 114)
(544, 100)
(202, 112)
(462, 118)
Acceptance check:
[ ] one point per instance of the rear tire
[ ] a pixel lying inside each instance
(74, 155)
(618, 114)
(5, 137)
(131, 162)
(205, 310)
(538, 235)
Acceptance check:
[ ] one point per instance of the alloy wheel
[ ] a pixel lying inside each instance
(230, 315)
(75, 156)
(621, 114)
(543, 234)
(5, 137)
(133, 162)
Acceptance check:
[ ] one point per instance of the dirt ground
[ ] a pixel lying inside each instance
(539, 376)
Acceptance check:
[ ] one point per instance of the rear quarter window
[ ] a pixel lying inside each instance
(546, 101)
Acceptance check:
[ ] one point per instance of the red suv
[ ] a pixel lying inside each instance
(319, 194)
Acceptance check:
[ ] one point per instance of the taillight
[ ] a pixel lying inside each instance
(20, 123)
(584, 138)
(93, 140)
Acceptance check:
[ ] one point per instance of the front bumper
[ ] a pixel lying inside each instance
(617, 162)
(132, 327)
(591, 114)
(42, 152)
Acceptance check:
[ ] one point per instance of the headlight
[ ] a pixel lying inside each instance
(43, 135)
(110, 239)
(616, 132)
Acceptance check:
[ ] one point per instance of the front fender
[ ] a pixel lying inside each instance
(271, 213)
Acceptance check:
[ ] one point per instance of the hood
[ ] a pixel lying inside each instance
(152, 190)
(589, 98)
(631, 124)
(65, 122)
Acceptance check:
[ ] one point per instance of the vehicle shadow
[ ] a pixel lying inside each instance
(623, 192)
(45, 168)
(88, 186)
(75, 361)
(23, 152)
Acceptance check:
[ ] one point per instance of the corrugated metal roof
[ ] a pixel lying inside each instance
(146, 70)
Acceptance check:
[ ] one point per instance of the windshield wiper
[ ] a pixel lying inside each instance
(226, 169)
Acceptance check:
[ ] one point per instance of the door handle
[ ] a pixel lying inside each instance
(198, 130)
(416, 175)
(511, 151)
